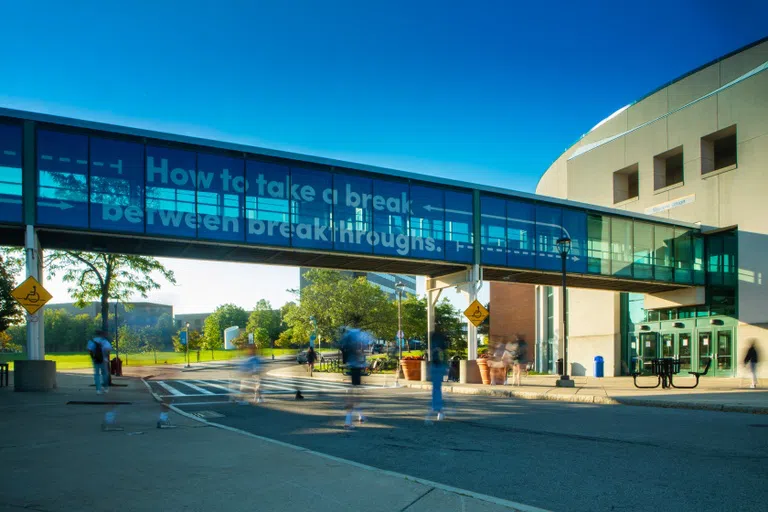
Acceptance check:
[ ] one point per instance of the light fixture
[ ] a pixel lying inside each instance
(679, 325)
(645, 327)
(564, 245)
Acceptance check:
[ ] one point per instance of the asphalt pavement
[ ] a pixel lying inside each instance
(558, 456)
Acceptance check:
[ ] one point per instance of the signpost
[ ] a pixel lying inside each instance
(183, 338)
(476, 313)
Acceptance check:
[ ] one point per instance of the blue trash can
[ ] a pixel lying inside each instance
(599, 366)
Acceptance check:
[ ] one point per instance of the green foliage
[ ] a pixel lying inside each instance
(448, 320)
(101, 277)
(65, 332)
(261, 337)
(334, 300)
(285, 340)
(414, 314)
(264, 317)
(7, 344)
(194, 338)
(225, 316)
(129, 342)
(10, 311)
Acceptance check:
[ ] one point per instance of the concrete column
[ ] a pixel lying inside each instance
(470, 291)
(432, 297)
(35, 324)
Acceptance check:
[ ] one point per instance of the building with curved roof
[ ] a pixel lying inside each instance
(694, 150)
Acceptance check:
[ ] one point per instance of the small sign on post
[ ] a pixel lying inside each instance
(183, 337)
(31, 295)
(250, 338)
(476, 313)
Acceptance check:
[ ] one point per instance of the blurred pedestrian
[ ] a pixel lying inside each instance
(250, 378)
(438, 364)
(751, 361)
(520, 360)
(99, 349)
(354, 343)
(311, 358)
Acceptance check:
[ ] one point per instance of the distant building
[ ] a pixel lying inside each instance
(196, 320)
(138, 314)
(386, 282)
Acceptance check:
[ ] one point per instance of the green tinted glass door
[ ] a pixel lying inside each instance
(667, 345)
(684, 347)
(705, 350)
(648, 349)
(724, 352)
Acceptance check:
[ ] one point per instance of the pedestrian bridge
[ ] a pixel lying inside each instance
(89, 186)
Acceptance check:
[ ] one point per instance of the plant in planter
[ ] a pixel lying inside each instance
(482, 365)
(411, 367)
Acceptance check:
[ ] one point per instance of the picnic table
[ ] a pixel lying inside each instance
(665, 369)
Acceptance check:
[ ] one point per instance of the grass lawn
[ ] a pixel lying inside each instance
(73, 360)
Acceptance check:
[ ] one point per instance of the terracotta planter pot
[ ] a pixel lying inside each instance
(498, 375)
(485, 372)
(411, 368)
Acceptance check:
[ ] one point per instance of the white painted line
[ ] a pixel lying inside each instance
(308, 384)
(173, 391)
(46, 157)
(9, 153)
(197, 388)
(212, 385)
(275, 386)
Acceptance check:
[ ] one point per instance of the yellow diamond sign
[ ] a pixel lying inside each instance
(476, 313)
(31, 295)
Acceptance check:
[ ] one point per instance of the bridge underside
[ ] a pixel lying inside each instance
(220, 251)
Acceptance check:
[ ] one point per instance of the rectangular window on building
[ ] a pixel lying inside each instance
(10, 173)
(668, 168)
(599, 244)
(663, 252)
(626, 184)
(621, 247)
(718, 150)
(643, 250)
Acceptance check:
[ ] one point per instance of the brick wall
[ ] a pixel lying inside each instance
(513, 311)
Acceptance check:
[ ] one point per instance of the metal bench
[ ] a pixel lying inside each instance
(636, 373)
(697, 375)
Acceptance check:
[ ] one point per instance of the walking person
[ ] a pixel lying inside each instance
(354, 343)
(311, 358)
(438, 363)
(520, 361)
(99, 349)
(751, 362)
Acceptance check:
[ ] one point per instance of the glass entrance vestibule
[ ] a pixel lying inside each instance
(691, 341)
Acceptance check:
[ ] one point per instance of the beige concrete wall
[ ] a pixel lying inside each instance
(594, 330)
(735, 197)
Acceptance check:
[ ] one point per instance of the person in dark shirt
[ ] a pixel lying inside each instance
(751, 362)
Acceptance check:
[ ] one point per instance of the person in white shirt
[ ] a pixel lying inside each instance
(99, 348)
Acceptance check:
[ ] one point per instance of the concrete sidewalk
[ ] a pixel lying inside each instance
(56, 458)
(715, 394)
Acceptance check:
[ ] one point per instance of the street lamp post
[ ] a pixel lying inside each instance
(186, 345)
(400, 287)
(564, 247)
(117, 345)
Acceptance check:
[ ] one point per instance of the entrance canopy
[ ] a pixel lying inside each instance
(97, 187)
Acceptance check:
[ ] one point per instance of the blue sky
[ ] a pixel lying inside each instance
(484, 91)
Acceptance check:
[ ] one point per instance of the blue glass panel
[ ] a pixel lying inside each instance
(391, 221)
(575, 228)
(521, 234)
(10, 173)
(117, 185)
(353, 214)
(267, 204)
(493, 230)
(170, 192)
(427, 225)
(549, 228)
(458, 227)
(62, 163)
(311, 209)
(220, 197)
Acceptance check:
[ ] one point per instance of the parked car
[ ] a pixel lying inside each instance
(377, 348)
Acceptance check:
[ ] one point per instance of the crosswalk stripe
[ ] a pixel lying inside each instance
(325, 384)
(310, 386)
(170, 389)
(198, 388)
(210, 384)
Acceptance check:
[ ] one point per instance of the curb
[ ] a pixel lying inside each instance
(592, 399)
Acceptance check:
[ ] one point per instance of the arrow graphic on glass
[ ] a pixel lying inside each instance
(431, 208)
(60, 204)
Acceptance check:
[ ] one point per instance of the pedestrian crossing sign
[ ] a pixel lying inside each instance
(31, 295)
(476, 313)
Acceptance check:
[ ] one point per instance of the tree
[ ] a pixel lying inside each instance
(101, 276)
(194, 338)
(226, 315)
(261, 337)
(414, 315)
(10, 311)
(130, 341)
(448, 320)
(150, 340)
(263, 316)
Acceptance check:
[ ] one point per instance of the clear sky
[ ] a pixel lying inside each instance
(483, 91)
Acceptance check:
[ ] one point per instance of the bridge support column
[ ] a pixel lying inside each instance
(34, 374)
(432, 297)
(470, 290)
